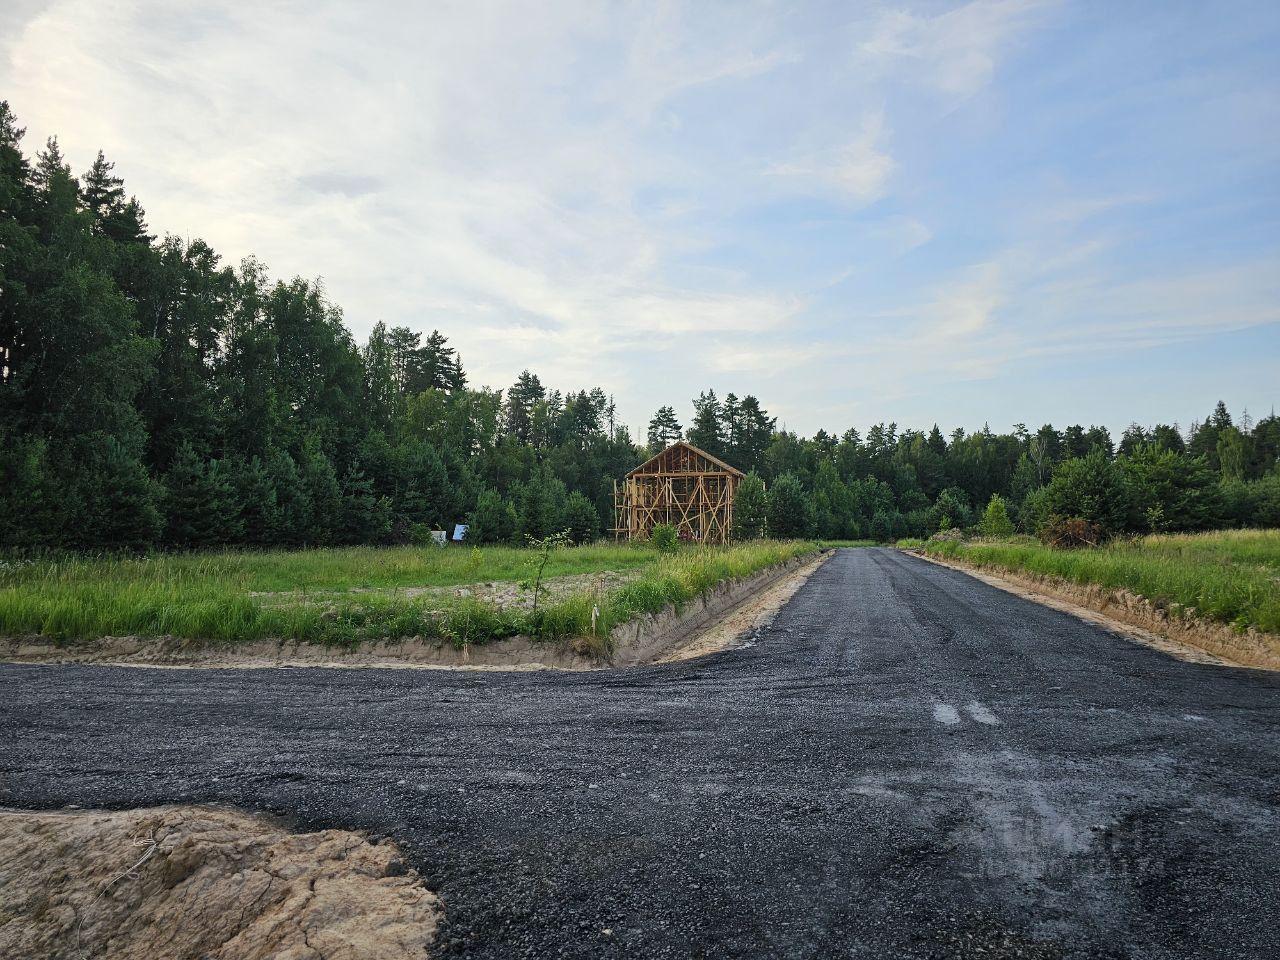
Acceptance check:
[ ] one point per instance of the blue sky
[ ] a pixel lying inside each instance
(984, 212)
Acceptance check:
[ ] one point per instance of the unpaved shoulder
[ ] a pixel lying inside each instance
(1192, 639)
(755, 614)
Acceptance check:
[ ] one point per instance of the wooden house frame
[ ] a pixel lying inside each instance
(683, 486)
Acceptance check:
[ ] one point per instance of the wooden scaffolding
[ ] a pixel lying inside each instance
(683, 486)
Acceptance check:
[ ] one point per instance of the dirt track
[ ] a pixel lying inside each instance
(908, 762)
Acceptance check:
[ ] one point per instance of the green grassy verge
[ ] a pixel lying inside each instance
(207, 597)
(335, 569)
(1228, 576)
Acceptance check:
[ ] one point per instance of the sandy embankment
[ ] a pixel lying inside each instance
(202, 883)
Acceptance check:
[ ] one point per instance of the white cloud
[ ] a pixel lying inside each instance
(858, 169)
(966, 308)
(955, 51)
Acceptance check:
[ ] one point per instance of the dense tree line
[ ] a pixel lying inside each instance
(152, 395)
(894, 483)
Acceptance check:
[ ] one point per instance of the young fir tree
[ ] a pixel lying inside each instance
(1172, 491)
(118, 499)
(790, 512)
(29, 503)
(580, 521)
(293, 503)
(750, 508)
(951, 509)
(426, 501)
(259, 506)
(365, 517)
(201, 507)
(1092, 488)
(541, 506)
(324, 493)
(995, 519)
(493, 520)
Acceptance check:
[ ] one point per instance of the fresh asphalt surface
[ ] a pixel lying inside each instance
(907, 763)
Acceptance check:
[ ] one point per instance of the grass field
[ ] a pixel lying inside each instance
(344, 596)
(1232, 576)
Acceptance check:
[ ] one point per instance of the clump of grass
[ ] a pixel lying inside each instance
(1229, 576)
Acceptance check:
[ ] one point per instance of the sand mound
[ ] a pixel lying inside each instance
(202, 882)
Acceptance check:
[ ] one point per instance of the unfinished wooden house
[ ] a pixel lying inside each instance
(683, 486)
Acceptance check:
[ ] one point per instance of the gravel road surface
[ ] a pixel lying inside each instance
(906, 763)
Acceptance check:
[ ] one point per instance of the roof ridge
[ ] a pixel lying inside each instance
(698, 450)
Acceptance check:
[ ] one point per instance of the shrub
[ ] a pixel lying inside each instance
(952, 509)
(1034, 512)
(995, 519)
(664, 537)
(1091, 488)
(1071, 532)
(1171, 491)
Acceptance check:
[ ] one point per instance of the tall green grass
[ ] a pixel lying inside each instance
(208, 597)
(334, 569)
(1230, 576)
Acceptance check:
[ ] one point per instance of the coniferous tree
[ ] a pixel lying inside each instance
(493, 520)
(790, 512)
(707, 429)
(750, 508)
(425, 499)
(103, 190)
(365, 517)
(540, 506)
(324, 493)
(580, 520)
(201, 506)
(117, 500)
(259, 508)
(1171, 491)
(522, 397)
(293, 502)
(1091, 488)
(664, 428)
(29, 503)
(952, 509)
(995, 519)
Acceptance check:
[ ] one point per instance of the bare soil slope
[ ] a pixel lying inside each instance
(202, 883)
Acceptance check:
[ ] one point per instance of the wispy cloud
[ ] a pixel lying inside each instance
(858, 169)
(956, 50)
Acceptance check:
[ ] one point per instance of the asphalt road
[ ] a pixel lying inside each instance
(907, 763)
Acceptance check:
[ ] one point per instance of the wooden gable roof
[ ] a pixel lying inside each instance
(664, 457)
